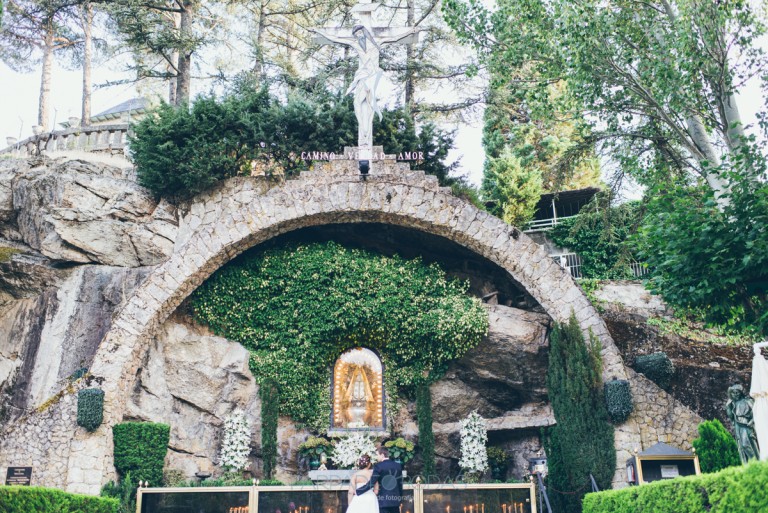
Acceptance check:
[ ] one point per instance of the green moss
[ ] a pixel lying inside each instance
(7, 253)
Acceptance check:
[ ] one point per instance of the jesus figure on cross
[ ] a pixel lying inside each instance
(368, 74)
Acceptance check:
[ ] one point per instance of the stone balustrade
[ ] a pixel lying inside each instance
(100, 138)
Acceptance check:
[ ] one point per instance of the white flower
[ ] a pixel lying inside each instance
(236, 442)
(349, 449)
(474, 436)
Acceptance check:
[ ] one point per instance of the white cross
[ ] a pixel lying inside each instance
(366, 40)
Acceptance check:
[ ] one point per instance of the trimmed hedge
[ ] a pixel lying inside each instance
(733, 490)
(657, 367)
(618, 400)
(28, 499)
(140, 449)
(90, 408)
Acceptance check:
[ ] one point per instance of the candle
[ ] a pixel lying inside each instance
(483, 508)
(470, 508)
(447, 509)
(504, 508)
(465, 509)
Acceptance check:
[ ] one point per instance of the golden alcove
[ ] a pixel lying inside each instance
(358, 392)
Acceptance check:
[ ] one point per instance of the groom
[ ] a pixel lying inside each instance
(389, 476)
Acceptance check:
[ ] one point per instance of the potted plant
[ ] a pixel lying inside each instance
(498, 460)
(314, 448)
(400, 450)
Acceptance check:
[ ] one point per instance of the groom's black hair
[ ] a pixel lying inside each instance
(383, 451)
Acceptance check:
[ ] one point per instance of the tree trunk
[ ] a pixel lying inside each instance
(173, 69)
(258, 67)
(410, 53)
(43, 111)
(184, 76)
(86, 16)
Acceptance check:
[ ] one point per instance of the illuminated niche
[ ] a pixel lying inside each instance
(357, 391)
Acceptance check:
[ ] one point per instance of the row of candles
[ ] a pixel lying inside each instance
(515, 507)
(238, 509)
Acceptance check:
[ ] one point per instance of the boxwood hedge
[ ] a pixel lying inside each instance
(735, 489)
(26, 499)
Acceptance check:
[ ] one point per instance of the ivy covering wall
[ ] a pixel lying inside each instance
(298, 307)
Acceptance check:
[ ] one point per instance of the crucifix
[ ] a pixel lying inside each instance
(367, 41)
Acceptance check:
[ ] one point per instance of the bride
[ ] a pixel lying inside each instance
(367, 502)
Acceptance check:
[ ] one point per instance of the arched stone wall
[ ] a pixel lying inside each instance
(245, 212)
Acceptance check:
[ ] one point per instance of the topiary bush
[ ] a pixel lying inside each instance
(733, 490)
(618, 400)
(657, 367)
(140, 449)
(90, 408)
(34, 499)
(716, 447)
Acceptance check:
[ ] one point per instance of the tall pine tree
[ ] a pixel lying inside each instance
(581, 443)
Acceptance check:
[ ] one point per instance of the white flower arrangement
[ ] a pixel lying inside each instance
(349, 449)
(474, 436)
(236, 442)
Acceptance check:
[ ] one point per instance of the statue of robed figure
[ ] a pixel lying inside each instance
(739, 411)
(366, 41)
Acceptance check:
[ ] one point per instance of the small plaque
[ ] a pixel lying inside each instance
(669, 471)
(18, 476)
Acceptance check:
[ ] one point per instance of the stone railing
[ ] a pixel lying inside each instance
(102, 138)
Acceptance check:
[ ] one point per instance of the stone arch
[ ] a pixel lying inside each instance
(244, 212)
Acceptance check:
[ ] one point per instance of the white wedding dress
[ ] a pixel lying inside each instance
(365, 503)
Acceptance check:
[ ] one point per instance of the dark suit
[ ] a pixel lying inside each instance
(389, 475)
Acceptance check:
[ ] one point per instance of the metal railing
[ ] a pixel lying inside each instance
(325, 498)
(100, 138)
(542, 225)
(571, 262)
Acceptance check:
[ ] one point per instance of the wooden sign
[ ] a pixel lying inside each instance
(18, 476)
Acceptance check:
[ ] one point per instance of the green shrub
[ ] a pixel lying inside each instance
(124, 490)
(733, 490)
(426, 434)
(180, 152)
(34, 499)
(618, 400)
(270, 408)
(581, 443)
(657, 367)
(90, 408)
(716, 447)
(601, 237)
(140, 449)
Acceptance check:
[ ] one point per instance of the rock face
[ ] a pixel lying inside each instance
(81, 212)
(193, 381)
(703, 370)
(45, 338)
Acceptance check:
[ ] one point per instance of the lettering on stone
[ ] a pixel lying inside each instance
(18, 476)
(354, 155)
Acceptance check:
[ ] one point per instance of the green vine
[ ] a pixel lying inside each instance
(297, 308)
(426, 435)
